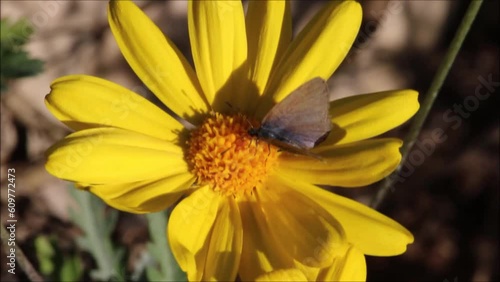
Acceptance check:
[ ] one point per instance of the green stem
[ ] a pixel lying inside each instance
(21, 258)
(430, 96)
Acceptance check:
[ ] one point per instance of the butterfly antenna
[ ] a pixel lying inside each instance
(233, 108)
(249, 123)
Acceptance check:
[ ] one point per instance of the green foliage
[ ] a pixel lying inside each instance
(165, 268)
(98, 223)
(55, 265)
(45, 254)
(16, 62)
(71, 269)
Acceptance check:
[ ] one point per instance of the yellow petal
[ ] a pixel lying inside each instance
(190, 229)
(113, 155)
(368, 230)
(145, 196)
(364, 116)
(223, 258)
(261, 253)
(318, 50)
(295, 220)
(269, 32)
(82, 101)
(219, 47)
(156, 60)
(349, 267)
(283, 275)
(349, 165)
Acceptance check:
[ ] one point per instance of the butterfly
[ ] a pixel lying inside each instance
(300, 121)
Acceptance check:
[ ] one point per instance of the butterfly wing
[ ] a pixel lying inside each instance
(301, 119)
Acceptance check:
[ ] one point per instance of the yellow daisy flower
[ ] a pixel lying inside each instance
(244, 207)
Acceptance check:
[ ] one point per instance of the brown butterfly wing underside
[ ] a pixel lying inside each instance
(301, 120)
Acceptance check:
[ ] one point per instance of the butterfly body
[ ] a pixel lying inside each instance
(300, 121)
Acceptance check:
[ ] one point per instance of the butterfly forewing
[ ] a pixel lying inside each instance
(301, 119)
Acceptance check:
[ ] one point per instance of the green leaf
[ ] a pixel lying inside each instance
(45, 255)
(166, 267)
(15, 61)
(98, 223)
(71, 269)
(13, 35)
(18, 64)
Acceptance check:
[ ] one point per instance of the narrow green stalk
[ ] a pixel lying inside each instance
(21, 258)
(430, 96)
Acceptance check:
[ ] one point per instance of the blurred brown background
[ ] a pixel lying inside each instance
(448, 196)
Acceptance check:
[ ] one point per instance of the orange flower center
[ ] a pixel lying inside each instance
(222, 154)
